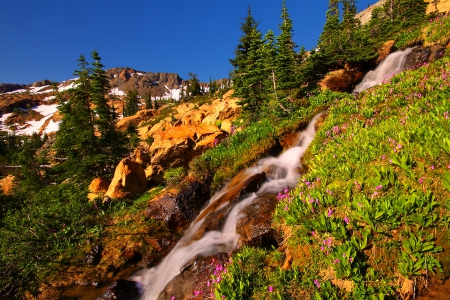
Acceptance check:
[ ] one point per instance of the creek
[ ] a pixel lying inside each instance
(202, 241)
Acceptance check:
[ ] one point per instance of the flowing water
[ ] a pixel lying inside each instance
(283, 174)
(390, 66)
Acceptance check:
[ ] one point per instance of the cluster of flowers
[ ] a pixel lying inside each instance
(397, 146)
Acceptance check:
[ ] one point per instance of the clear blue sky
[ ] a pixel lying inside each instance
(43, 39)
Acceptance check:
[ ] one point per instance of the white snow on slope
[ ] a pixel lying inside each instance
(117, 92)
(33, 126)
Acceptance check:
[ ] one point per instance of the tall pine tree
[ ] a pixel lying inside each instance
(286, 58)
(75, 139)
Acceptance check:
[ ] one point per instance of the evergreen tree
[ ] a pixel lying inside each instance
(241, 60)
(75, 139)
(148, 100)
(285, 59)
(194, 88)
(131, 103)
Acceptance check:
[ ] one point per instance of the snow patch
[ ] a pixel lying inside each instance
(117, 92)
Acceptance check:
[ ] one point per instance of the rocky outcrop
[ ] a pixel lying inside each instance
(139, 117)
(9, 87)
(366, 15)
(9, 102)
(129, 180)
(340, 80)
(174, 141)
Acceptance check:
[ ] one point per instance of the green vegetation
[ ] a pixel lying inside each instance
(373, 206)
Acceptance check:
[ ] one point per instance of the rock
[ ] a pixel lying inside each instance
(385, 50)
(94, 255)
(366, 15)
(289, 140)
(121, 290)
(129, 180)
(439, 6)
(99, 185)
(178, 211)
(166, 209)
(240, 185)
(141, 115)
(226, 125)
(7, 185)
(41, 83)
(421, 55)
(340, 80)
(255, 226)
(192, 282)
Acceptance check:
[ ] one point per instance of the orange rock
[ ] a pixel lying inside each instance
(385, 50)
(142, 115)
(99, 185)
(340, 80)
(129, 180)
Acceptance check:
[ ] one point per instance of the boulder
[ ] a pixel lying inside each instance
(129, 180)
(254, 227)
(99, 185)
(340, 80)
(194, 282)
(421, 55)
(385, 50)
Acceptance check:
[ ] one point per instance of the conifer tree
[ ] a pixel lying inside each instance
(75, 139)
(285, 59)
(241, 60)
(131, 103)
(194, 88)
(148, 100)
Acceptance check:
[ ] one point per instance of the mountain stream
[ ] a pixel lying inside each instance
(199, 241)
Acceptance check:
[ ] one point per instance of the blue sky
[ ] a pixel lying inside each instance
(43, 39)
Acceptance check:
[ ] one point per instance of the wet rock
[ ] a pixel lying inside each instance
(289, 140)
(421, 55)
(121, 290)
(166, 209)
(239, 186)
(192, 282)
(177, 211)
(94, 255)
(255, 226)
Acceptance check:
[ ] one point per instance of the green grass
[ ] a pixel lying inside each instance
(373, 208)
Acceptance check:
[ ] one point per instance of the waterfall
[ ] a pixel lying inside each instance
(284, 174)
(390, 66)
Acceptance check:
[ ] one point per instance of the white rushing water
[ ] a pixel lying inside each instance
(390, 66)
(283, 175)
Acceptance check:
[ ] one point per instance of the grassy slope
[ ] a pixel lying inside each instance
(371, 215)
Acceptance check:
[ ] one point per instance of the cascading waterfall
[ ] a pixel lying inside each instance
(390, 66)
(283, 175)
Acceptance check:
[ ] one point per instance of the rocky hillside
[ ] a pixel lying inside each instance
(160, 84)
